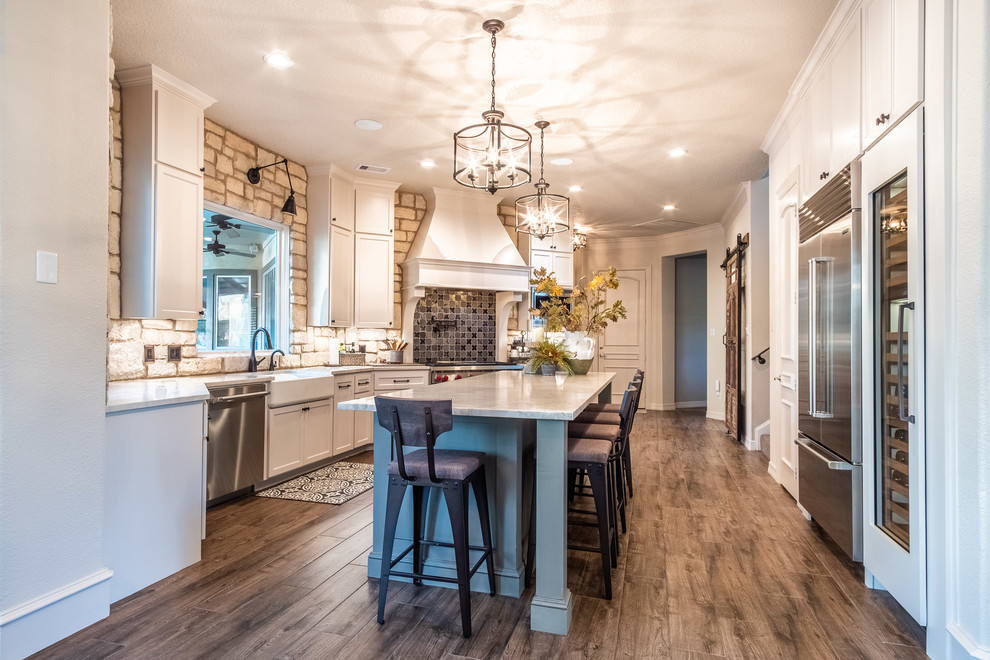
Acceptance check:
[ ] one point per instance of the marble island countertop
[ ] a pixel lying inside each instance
(508, 394)
(153, 392)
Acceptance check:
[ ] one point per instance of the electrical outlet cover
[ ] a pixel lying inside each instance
(175, 353)
(149, 353)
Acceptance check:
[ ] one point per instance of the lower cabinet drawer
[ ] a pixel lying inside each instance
(398, 380)
(363, 385)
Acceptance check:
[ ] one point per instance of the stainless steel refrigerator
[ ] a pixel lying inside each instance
(830, 446)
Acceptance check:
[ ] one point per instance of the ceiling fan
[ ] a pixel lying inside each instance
(218, 249)
(223, 223)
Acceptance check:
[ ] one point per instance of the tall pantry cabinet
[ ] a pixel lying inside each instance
(162, 202)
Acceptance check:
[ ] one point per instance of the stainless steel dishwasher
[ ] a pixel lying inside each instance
(235, 459)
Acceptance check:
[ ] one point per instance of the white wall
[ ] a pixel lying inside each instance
(653, 251)
(54, 137)
(690, 331)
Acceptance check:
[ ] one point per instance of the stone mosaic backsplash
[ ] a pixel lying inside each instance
(451, 324)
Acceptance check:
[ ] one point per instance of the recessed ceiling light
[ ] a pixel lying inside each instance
(669, 207)
(278, 59)
(561, 161)
(427, 162)
(368, 124)
(677, 152)
(575, 188)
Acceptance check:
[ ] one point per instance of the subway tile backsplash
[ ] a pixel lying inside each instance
(451, 324)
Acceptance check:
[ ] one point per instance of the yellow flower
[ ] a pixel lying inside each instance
(596, 282)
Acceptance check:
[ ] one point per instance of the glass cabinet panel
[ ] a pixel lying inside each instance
(893, 344)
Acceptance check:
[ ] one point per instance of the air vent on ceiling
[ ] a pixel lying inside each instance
(374, 169)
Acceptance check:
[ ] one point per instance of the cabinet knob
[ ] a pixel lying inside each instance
(333, 219)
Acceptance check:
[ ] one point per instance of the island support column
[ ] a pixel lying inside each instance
(551, 608)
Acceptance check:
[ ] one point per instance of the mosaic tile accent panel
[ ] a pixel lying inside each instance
(450, 324)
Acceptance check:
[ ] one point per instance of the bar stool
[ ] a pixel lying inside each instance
(595, 449)
(418, 423)
(608, 413)
(618, 434)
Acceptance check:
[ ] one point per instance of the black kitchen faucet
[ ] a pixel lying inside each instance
(252, 362)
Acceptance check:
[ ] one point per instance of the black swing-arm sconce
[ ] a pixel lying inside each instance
(254, 176)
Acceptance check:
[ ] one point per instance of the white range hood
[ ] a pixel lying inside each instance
(462, 244)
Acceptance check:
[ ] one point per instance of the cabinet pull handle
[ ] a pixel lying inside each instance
(343, 386)
(400, 380)
(306, 409)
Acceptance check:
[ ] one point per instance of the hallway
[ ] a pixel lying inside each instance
(717, 562)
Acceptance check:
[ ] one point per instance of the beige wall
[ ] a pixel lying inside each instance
(226, 158)
(656, 253)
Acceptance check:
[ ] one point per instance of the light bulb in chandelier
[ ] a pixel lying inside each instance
(494, 155)
(544, 213)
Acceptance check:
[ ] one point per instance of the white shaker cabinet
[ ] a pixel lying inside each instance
(892, 63)
(330, 235)
(343, 420)
(373, 281)
(374, 207)
(561, 264)
(162, 198)
(364, 422)
(298, 435)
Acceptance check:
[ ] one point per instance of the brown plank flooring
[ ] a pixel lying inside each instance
(717, 562)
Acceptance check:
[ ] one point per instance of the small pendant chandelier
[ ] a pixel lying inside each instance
(544, 213)
(492, 156)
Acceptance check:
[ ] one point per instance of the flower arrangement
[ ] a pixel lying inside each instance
(585, 309)
(548, 352)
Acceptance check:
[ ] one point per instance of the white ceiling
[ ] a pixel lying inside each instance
(621, 81)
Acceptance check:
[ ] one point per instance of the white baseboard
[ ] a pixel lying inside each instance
(38, 623)
(711, 414)
(969, 644)
(690, 404)
(663, 406)
(772, 470)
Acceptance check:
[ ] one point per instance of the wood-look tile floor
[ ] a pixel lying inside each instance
(717, 562)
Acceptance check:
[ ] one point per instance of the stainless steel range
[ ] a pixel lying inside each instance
(441, 372)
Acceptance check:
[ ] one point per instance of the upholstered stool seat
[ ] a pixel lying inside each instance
(597, 431)
(593, 417)
(588, 450)
(604, 407)
(449, 464)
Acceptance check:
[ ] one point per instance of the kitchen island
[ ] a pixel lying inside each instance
(509, 415)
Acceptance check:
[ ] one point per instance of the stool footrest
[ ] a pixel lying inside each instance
(484, 555)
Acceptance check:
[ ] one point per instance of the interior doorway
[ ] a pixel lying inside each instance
(690, 336)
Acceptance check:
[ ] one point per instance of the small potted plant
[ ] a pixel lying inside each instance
(549, 356)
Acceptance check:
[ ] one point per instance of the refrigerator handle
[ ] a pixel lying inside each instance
(812, 337)
(902, 399)
(817, 364)
(832, 461)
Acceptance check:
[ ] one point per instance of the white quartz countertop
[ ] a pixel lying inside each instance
(511, 394)
(153, 392)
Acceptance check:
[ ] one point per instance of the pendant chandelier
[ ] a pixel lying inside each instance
(492, 156)
(544, 213)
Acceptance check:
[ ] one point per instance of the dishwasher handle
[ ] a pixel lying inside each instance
(237, 397)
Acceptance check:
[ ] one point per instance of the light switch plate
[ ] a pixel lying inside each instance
(175, 353)
(149, 353)
(46, 267)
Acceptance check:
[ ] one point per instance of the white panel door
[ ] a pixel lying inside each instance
(341, 203)
(285, 438)
(893, 366)
(783, 335)
(341, 276)
(373, 211)
(541, 259)
(179, 243)
(373, 281)
(317, 430)
(846, 72)
(622, 347)
(877, 68)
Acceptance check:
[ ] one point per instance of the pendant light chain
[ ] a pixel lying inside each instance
(493, 70)
(541, 155)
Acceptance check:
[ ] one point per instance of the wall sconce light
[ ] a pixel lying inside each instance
(254, 176)
(580, 240)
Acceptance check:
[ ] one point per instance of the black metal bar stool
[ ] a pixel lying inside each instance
(608, 413)
(417, 423)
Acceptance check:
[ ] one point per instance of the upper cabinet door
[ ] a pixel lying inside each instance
(373, 281)
(178, 131)
(563, 266)
(892, 63)
(846, 73)
(373, 211)
(178, 245)
(341, 203)
(341, 277)
(818, 135)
